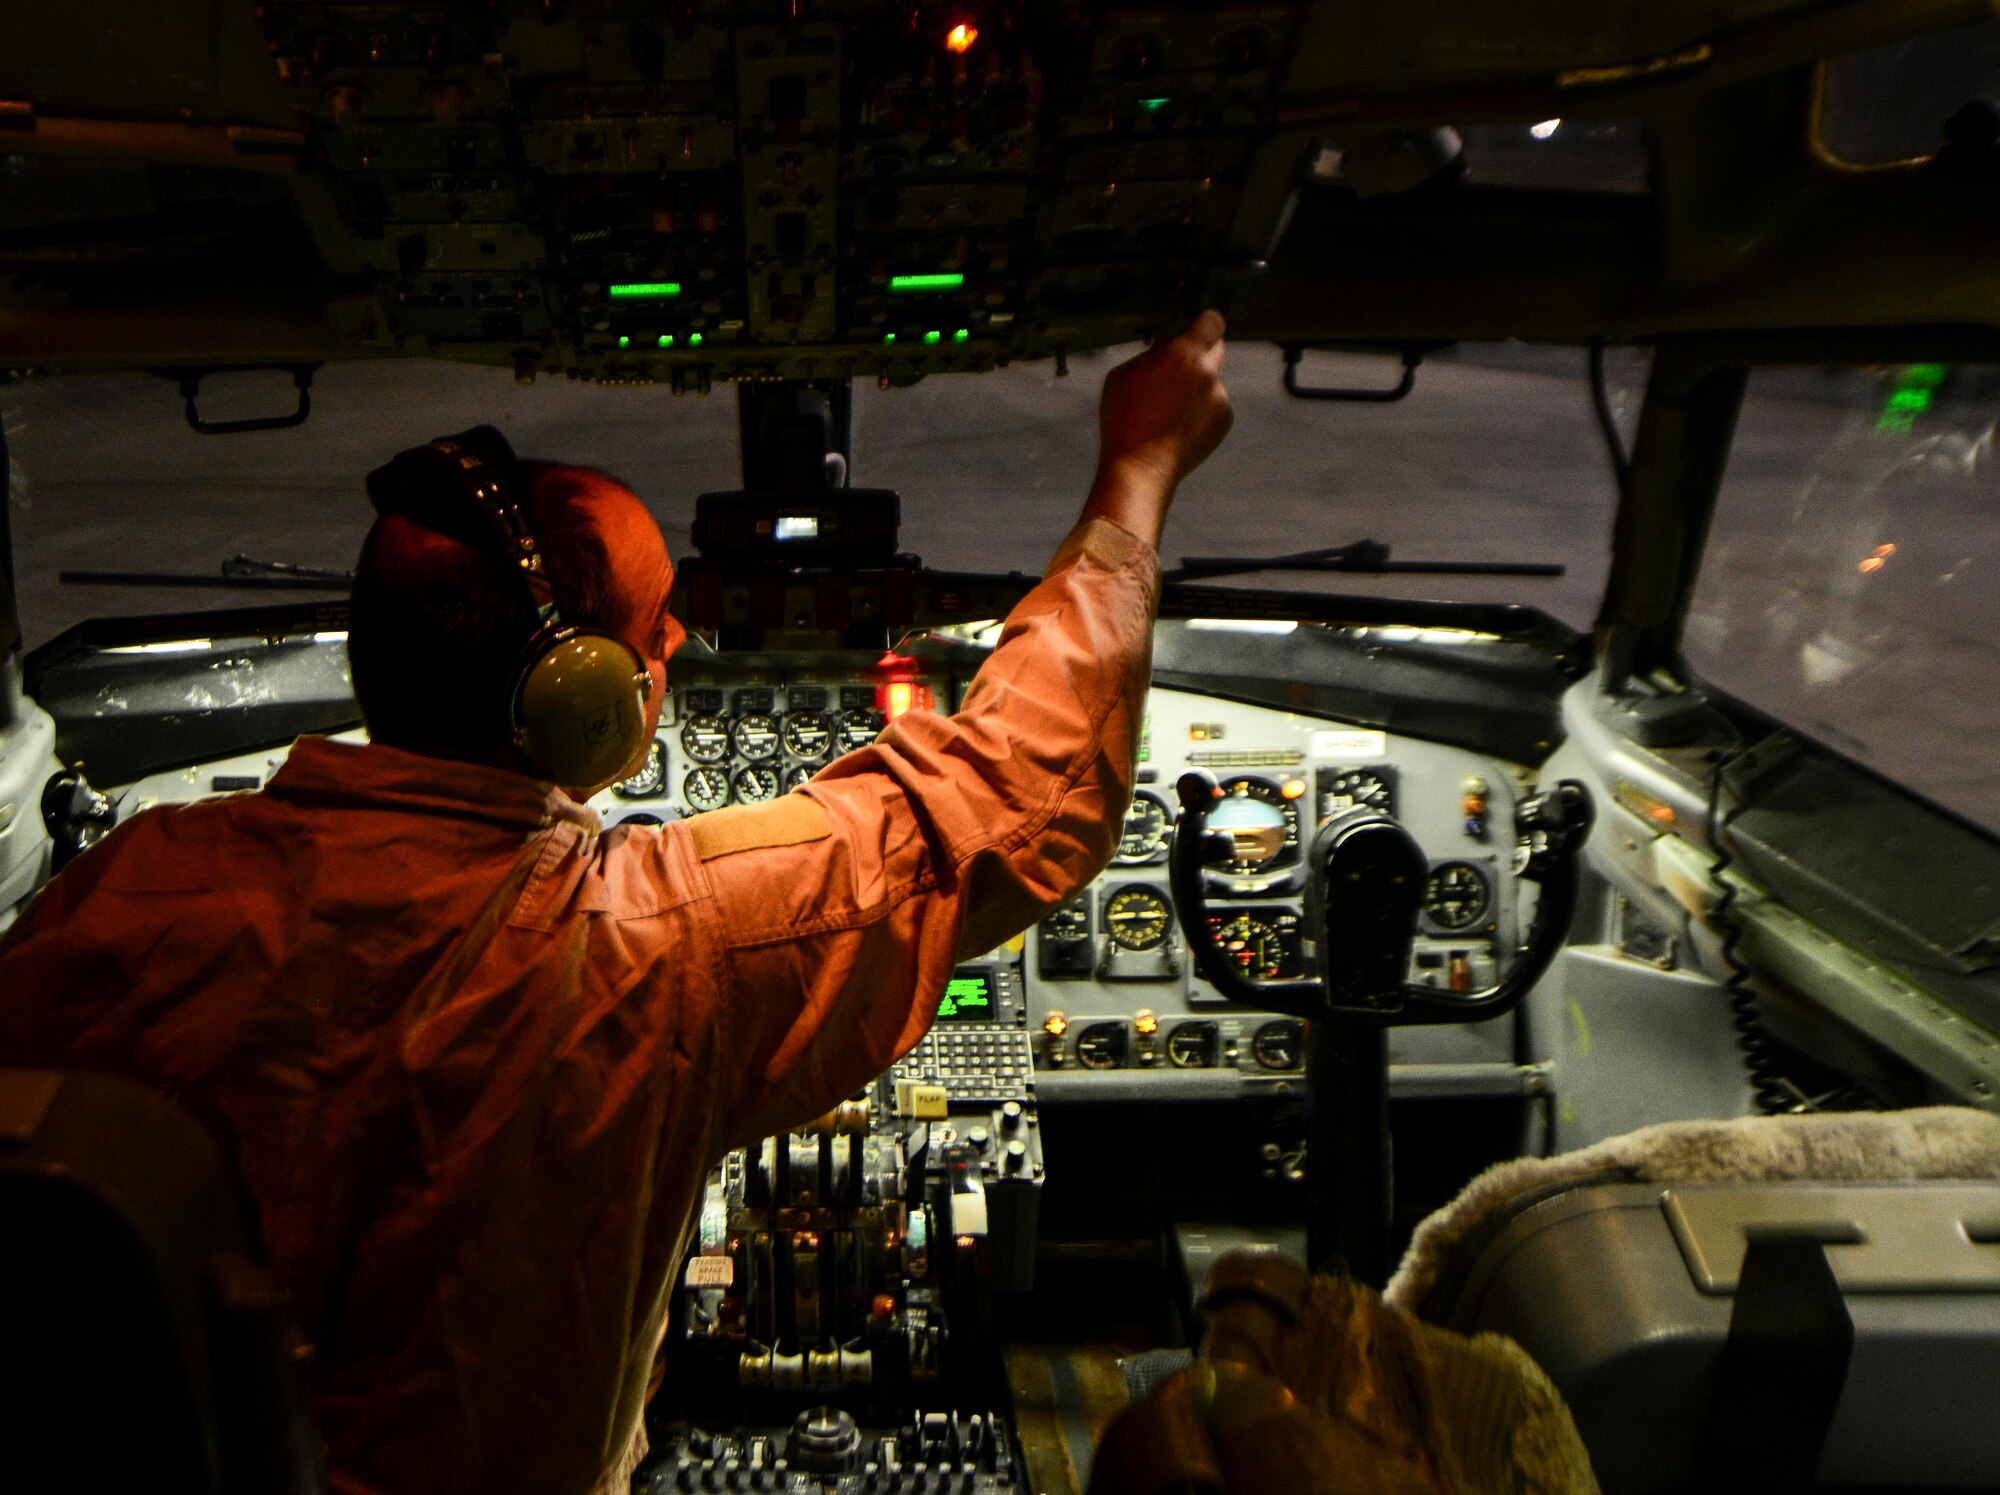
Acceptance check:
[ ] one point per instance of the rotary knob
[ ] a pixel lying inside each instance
(823, 1441)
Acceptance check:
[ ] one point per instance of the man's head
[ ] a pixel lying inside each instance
(440, 618)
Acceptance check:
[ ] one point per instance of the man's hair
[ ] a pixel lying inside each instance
(436, 626)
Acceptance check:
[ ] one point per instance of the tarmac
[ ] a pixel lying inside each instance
(1494, 457)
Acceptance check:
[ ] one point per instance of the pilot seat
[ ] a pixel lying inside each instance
(146, 1346)
(1782, 1303)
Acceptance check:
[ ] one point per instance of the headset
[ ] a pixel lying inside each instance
(576, 699)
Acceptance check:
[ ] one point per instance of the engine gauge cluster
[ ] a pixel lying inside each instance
(748, 743)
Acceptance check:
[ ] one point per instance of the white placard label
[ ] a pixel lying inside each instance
(711, 1271)
(1351, 743)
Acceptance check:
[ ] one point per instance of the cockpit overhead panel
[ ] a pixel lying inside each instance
(644, 193)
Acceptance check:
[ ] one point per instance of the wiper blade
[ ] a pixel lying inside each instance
(1362, 557)
(238, 573)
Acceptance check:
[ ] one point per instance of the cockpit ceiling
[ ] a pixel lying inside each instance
(660, 192)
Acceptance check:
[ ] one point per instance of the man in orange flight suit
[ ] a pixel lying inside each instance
(476, 1053)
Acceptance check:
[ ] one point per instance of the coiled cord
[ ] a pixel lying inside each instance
(1774, 1093)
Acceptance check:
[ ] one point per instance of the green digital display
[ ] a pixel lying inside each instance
(1914, 392)
(904, 285)
(645, 290)
(967, 999)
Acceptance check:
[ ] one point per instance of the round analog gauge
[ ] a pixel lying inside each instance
(705, 739)
(859, 728)
(1265, 944)
(1278, 1045)
(1137, 919)
(706, 789)
(808, 734)
(1193, 1046)
(648, 781)
(797, 774)
(1148, 823)
(1246, 807)
(755, 736)
(1457, 895)
(756, 784)
(1357, 786)
(1101, 1046)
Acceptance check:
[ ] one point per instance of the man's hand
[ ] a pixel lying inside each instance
(1161, 415)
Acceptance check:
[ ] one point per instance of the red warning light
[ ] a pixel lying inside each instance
(960, 38)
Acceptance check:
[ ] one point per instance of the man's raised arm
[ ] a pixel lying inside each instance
(840, 911)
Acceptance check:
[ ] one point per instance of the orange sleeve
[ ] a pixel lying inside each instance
(840, 911)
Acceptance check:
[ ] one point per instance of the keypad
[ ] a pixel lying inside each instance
(983, 1065)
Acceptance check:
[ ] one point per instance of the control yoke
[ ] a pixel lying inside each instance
(1365, 878)
(1365, 885)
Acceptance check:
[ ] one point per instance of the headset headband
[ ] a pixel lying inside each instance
(480, 465)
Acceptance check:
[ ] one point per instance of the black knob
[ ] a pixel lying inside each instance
(824, 1441)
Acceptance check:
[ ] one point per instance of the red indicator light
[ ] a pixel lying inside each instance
(1292, 788)
(961, 37)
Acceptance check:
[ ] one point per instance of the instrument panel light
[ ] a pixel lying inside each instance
(624, 341)
(1292, 788)
(888, 337)
(1146, 1021)
(904, 285)
(960, 38)
(694, 339)
(1055, 1025)
(961, 335)
(645, 290)
(666, 340)
(1154, 106)
(933, 337)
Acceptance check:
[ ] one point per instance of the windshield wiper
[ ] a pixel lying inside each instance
(240, 572)
(1362, 557)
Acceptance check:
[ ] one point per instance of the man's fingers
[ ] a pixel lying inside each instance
(1208, 329)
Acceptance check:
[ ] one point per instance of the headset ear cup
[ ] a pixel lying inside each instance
(580, 708)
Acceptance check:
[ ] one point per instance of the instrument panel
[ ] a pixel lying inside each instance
(1114, 1003)
(1104, 985)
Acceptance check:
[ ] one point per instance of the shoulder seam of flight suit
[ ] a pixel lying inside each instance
(1110, 545)
(790, 820)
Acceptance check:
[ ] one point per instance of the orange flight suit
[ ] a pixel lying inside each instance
(478, 1053)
